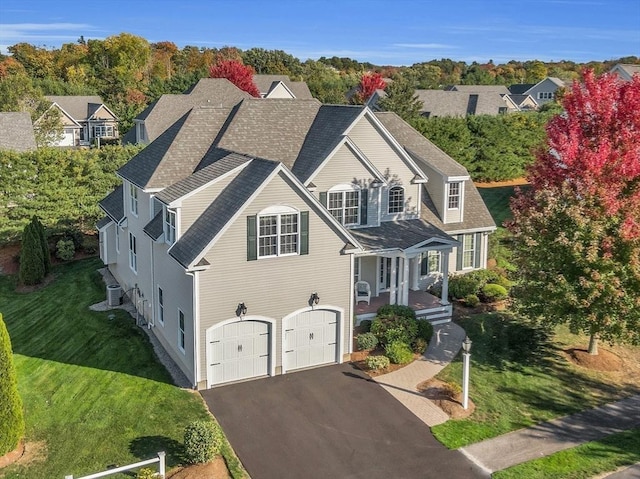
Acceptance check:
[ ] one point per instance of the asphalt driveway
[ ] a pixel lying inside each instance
(329, 422)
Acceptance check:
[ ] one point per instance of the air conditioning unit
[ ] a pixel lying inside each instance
(114, 295)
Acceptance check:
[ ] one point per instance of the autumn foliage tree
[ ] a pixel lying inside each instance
(577, 228)
(369, 83)
(237, 73)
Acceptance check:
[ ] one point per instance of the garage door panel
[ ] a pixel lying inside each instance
(310, 339)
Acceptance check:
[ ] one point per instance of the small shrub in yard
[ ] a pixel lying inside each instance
(65, 250)
(377, 362)
(366, 341)
(399, 352)
(365, 324)
(425, 330)
(494, 292)
(202, 440)
(419, 346)
(11, 416)
(471, 300)
(462, 285)
(146, 473)
(395, 323)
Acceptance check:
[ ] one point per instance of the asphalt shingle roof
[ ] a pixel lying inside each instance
(221, 210)
(398, 234)
(266, 83)
(476, 214)
(103, 222)
(155, 227)
(113, 205)
(220, 162)
(79, 107)
(460, 103)
(326, 131)
(419, 147)
(500, 89)
(16, 132)
(178, 151)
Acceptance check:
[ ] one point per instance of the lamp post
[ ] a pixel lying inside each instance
(466, 356)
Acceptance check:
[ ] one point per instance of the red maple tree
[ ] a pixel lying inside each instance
(237, 73)
(369, 83)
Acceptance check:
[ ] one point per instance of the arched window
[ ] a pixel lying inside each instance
(396, 199)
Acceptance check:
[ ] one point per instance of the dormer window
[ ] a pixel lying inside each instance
(454, 196)
(133, 199)
(396, 199)
(170, 226)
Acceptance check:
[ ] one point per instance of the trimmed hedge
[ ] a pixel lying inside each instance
(202, 440)
(366, 341)
(399, 352)
(11, 415)
(395, 323)
(494, 292)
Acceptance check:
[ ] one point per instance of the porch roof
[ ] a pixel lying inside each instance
(399, 235)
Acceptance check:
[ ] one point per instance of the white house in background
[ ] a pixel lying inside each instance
(242, 232)
(626, 70)
(542, 92)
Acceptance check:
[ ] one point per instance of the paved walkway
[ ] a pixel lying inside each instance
(402, 383)
(517, 446)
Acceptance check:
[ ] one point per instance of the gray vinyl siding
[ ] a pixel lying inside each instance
(192, 207)
(177, 294)
(454, 215)
(385, 158)
(369, 271)
(411, 193)
(483, 244)
(435, 187)
(274, 287)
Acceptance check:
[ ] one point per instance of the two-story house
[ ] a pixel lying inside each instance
(242, 233)
(542, 92)
(85, 119)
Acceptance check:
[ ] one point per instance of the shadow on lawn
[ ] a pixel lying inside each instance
(55, 324)
(147, 447)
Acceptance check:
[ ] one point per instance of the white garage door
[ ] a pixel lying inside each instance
(237, 351)
(310, 339)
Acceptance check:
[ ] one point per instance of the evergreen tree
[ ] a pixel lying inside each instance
(32, 269)
(401, 98)
(42, 237)
(11, 415)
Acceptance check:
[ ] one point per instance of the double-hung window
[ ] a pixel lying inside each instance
(278, 234)
(468, 250)
(454, 196)
(170, 226)
(430, 263)
(133, 199)
(396, 199)
(181, 331)
(133, 253)
(345, 206)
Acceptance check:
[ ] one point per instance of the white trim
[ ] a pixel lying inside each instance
(277, 210)
(102, 105)
(349, 143)
(272, 342)
(339, 328)
(130, 190)
(279, 234)
(133, 253)
(161, 307)
(471, 230)
(279, 82)
(320, 209)
(196, 328)
(53, 103)
(182, 337)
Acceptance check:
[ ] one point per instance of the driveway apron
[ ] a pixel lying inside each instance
(329, 422)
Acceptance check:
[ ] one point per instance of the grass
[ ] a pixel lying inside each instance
(519, 377)
(93, 392)
(497, 201)
(584, 461)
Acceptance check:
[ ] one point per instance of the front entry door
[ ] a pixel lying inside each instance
(384, 276)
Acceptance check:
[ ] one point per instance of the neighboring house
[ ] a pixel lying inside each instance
(521, 102)
(85, 119)
(242, 233)
(626, 71)
(215, 92)
(542, 92)
(280, 86)
(16, 132)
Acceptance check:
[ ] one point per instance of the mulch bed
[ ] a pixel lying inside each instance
(603, 361)
(439, 393)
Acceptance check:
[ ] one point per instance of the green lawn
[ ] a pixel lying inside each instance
(582, 462)
(518, 378)
(497, 201)
(93, 391)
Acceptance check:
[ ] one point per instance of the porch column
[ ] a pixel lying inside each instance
(415, 273)
(393, 287)
(444, 297)
(405, 281)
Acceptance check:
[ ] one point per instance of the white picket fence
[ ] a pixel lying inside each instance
(159, 460)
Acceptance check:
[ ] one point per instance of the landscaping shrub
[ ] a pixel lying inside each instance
(90, 244)
(396, 310)
(32, 269)
(202, 440)
(65, 250)
(377, 362)
(365, 324)
(471, 300)
(11, 415)
(494, 292)
(146, 473)
(42, 238)
(366, 341)
(419, 346)
(462, 285)
(395, 323)
(399, 352)
(425, 330)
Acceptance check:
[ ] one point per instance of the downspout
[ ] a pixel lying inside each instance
(351, 312)
(196, 326)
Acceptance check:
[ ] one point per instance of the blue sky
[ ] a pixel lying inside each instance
(391, 32)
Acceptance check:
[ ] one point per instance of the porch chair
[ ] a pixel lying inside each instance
(362, 291)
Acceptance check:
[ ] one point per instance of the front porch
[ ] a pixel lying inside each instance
(424, 304)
